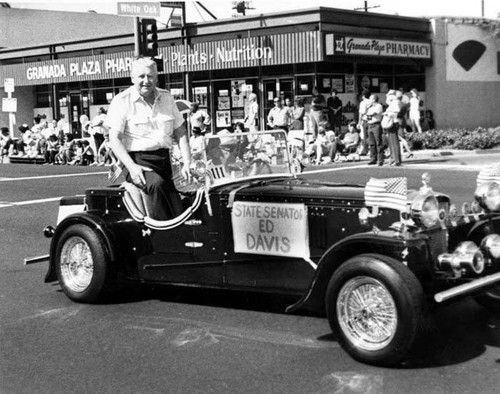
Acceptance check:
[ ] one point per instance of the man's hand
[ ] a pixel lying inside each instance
(136, 172)
(186, 173)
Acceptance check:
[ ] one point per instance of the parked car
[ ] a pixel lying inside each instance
(370, 257)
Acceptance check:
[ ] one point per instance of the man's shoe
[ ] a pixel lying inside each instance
(370, 163)
(380, 164)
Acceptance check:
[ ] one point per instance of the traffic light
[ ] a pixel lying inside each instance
(149, 37)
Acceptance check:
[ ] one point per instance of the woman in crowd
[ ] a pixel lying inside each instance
(414, 114)
(298, 113)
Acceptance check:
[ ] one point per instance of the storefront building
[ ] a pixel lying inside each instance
(219, 63)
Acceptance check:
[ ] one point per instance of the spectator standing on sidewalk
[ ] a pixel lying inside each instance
(334, 105)
(278, 116)
(84, 123)
(414, 113)
(199, 118)
(62, 124)
(251, 120)
(373, 118)
(298, 113)
(316, 115)
(97, 129)
(362, 122)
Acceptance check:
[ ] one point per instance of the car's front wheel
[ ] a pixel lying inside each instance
(375, 307)
(82, 265)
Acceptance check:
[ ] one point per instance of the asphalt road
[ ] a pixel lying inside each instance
(169, 340)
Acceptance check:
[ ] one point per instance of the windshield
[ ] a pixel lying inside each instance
(228, 157)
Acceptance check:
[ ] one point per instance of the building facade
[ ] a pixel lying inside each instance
(219, 63)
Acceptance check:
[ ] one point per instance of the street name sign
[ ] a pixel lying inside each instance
(8, 85)
(139, 9)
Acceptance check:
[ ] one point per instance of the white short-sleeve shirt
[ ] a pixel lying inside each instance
(142, 127)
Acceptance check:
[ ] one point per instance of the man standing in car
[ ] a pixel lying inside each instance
(143, 123)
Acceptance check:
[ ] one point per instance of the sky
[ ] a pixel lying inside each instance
(222, 9)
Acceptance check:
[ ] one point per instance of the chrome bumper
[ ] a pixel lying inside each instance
(467, 287)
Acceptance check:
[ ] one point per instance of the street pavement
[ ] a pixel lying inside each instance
(170, 340)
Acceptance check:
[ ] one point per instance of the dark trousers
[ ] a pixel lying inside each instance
(98, 139)
(163, 200)
(394, 144)
(376, 144)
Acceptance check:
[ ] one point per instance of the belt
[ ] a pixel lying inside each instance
(369, 124)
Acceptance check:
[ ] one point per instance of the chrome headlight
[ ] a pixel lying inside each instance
(466, 256)
(491, 245)
(488, 196)
(425, 210)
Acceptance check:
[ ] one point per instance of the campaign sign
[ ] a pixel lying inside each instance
(270, 229)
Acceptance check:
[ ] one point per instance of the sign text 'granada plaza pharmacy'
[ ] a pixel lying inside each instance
(342, 45)
(81, 68)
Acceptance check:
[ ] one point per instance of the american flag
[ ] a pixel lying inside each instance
(489, 174)
(386, 193)
(217, 171)
(114, 172)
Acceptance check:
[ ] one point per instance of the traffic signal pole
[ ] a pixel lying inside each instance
(137, 37)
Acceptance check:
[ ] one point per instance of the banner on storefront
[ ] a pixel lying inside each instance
(337, 44)
(291, 48)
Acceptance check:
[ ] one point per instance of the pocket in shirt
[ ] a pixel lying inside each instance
(165, 123)
(140, 125)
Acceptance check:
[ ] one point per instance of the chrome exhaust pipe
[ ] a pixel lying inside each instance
(467, 287)
(35, 260)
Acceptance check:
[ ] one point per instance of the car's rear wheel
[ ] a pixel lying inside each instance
(375, 307)
(490, 299)
(83, 266)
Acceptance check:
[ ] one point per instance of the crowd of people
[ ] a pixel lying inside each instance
(380, 128)
(53, 143)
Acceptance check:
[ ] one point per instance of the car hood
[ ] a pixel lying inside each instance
(296, 188)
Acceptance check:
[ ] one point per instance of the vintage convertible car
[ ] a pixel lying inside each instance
(371, 257)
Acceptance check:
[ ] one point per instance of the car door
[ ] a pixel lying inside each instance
(189, 253)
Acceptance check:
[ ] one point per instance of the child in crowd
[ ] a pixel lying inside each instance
(319, 149)
(66, 153)
(78, 154)
(88, 153)
(51, 149)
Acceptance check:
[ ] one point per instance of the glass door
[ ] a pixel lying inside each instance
(276, 87)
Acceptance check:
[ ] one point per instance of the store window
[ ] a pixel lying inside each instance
(102, 96)
(42, 94)
(328, 82)
(222, 103)
(408, 82)
(375, 83)
(305, 84)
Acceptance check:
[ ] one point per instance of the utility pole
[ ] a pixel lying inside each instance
(366, 8)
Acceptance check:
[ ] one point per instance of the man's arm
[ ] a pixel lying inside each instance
(135, 170)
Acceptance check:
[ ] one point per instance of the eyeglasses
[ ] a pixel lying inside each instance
(276, 101)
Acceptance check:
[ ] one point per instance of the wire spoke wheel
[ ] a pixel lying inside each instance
(77, 264)
(367, 313)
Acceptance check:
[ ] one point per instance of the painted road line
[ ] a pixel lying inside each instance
(5, 204)
(51, 176)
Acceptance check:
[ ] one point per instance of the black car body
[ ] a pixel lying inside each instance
(253, 224)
